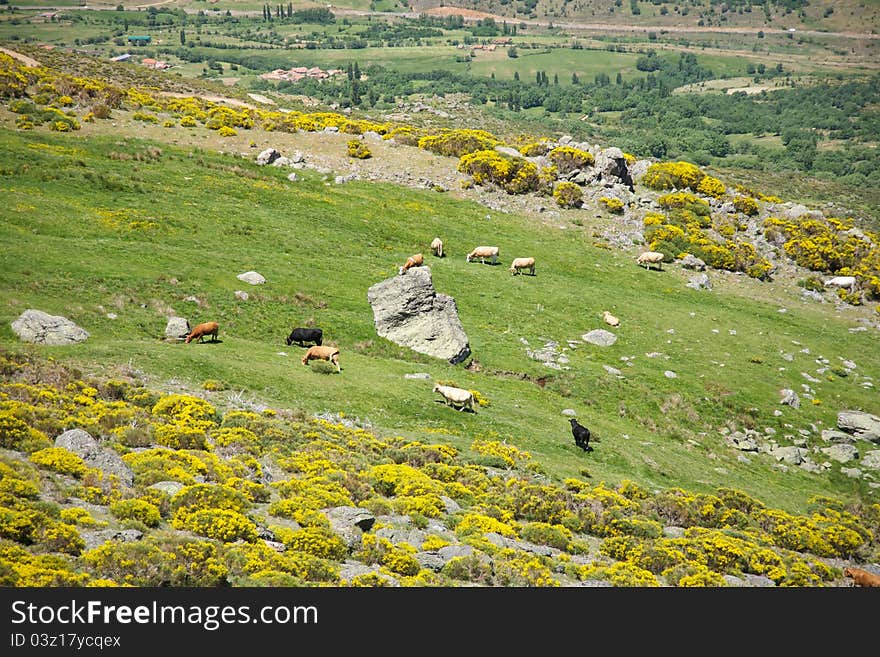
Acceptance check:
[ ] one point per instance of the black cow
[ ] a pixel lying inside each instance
(303, 335)
(581, 435)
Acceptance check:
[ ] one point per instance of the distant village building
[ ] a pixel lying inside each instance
(140, 40)
(300, 72)
(149, 62)
(121, 58)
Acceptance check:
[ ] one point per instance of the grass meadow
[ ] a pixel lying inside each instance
(94, 226)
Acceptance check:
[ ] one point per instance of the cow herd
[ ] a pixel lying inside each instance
(458, 398)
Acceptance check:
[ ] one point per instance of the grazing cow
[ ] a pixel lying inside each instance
(203, 329)
(862, 577)
(303, 335)
(610, 319)
(318, 352)
(649, 258)
(521, 264)
(581, 435)
(413, 261)
(849, 282)
(483, 252)
(456, 397)
(437, 247)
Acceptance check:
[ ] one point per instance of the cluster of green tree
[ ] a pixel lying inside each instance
(654, 122)
(317, 15)
(399, 31)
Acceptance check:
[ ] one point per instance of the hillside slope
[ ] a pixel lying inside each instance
(119, 224)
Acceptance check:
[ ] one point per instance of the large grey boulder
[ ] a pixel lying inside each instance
(104, 459)
(43, 328)
(860, 424)
(408, 311)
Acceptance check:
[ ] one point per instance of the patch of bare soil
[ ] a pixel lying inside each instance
(29, 61)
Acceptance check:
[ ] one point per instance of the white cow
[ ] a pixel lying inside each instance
(483, 252)
(456, 397)
(848, 282)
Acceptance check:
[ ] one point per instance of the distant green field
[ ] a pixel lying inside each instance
(89, 231)
(562, 62)
(768, 141)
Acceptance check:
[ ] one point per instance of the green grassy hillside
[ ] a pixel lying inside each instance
(93, 226)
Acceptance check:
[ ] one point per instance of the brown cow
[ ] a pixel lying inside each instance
(861, 577)
(416, 260)
(203, 329)
(318, 352)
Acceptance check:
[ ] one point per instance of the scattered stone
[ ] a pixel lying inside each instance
(418, 375)
(252, 277)
(693, 262)
(600, 337)
(613, 370)
(790, 398)
(871, 459)
(241, 295)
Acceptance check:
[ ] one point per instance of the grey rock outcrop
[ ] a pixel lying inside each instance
(43, 328)
(860, 424)
(610, 167)
(177, 328)
(349, 522)
(104, 459)
(97, 538)
(408, 311)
